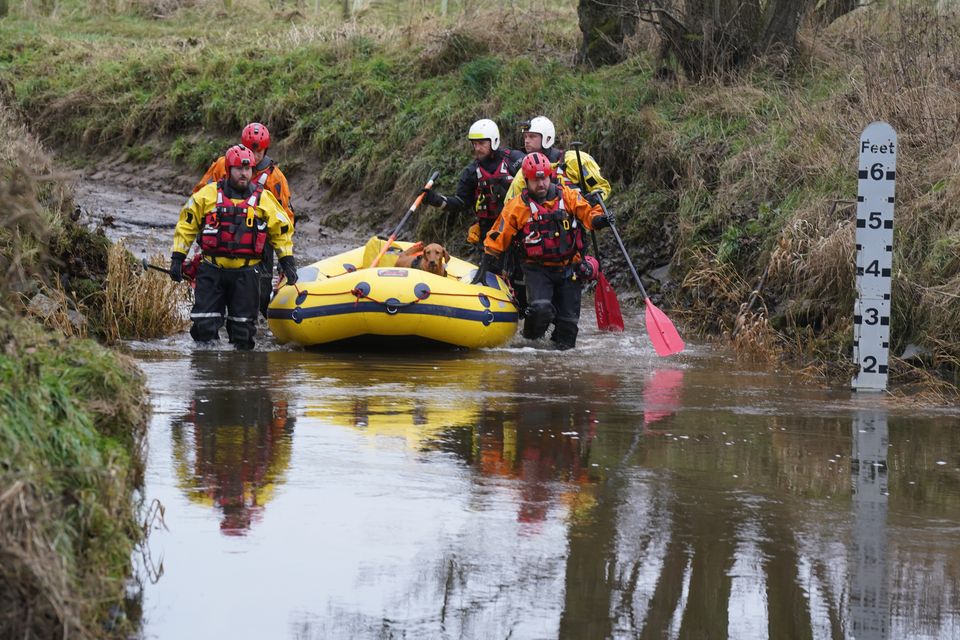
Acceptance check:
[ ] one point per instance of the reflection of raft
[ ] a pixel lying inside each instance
(340, 299)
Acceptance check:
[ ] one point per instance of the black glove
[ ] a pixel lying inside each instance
(604, 220)
(289, 267)
(434, 199)
(487, 264)
(595, 198)
(176, 266)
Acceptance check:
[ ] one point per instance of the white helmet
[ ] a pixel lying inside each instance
(545, 128)
(485, 130)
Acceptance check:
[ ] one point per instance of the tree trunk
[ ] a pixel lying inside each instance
(709, 37)
(833, 9)
(605, 24)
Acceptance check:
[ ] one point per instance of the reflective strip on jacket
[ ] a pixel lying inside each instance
(571, 176)
(275, 182)
(279, 226)
(516, 213)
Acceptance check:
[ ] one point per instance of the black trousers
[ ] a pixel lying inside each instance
(513, 271)
(553, 295)
(231, 295)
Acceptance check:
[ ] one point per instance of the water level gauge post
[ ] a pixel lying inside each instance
(876, 182)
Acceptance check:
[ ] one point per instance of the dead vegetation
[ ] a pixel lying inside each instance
(138, 303)
(792, 289)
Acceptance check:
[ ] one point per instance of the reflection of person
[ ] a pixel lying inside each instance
(241, 437)
(549, 220)
(484, 182)
(234, 219)
(539, 445)
(267, 175)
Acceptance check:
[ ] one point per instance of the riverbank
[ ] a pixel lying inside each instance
(735, 195)
(73, 416)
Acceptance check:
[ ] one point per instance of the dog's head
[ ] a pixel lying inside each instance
(434, 259)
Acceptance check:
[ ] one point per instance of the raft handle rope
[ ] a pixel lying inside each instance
(395, 304)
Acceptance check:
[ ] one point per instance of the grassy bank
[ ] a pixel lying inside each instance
(742, 185)
(72, 419)
(71, 440)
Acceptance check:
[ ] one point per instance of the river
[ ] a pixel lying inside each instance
(528, 493)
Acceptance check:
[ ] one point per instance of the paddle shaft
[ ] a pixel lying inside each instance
(147, 265)
(406, 216)
(623, 249)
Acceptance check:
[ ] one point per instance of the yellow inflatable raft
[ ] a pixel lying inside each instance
(341, 299)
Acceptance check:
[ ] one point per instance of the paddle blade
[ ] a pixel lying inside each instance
(666, 341)
(607, 306)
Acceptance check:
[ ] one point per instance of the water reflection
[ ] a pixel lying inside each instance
(482, 414)
(232, 447)
(869, 599)
(661, 395)
(495, 495)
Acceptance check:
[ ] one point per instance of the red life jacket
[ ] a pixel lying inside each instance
(234, 231)
(492, 188)
(551, 234)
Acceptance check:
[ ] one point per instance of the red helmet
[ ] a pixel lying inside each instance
(255, 136)
(536, 165)
(239, 156)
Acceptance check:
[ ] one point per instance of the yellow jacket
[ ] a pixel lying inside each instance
(571, 176)
(279, 225)
(276, 182)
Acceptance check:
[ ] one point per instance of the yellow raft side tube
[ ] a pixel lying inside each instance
(339, 299)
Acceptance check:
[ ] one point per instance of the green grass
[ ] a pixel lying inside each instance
(71, 433)
(713, 176)
(72, 419)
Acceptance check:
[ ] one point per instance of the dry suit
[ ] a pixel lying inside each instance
(269, 175)
(483, 185)
(567, 170)
(234, 228)
(551, 235)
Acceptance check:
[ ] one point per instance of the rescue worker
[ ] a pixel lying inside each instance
(539, 135)
(550, 220)
(484, 182)
(234, 217)
(256, 137)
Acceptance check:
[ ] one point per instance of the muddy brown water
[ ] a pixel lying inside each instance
(522, 492)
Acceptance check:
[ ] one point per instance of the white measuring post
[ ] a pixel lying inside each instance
(875, 198)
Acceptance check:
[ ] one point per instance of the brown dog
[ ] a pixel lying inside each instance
(432, 258)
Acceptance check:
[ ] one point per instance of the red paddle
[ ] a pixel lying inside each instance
(605, 301)
(607, 306)
(666, 341)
